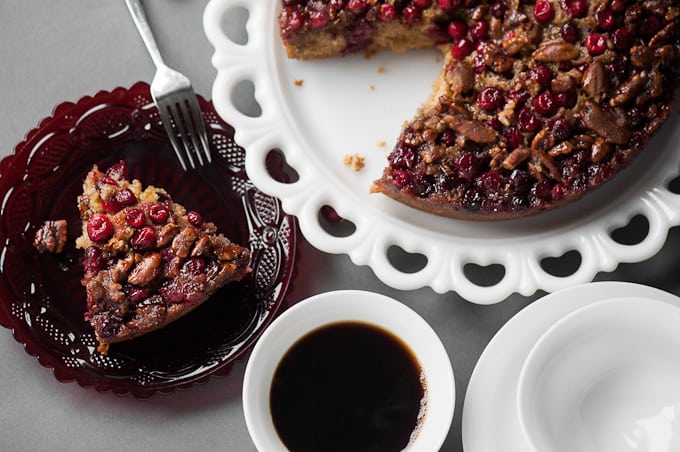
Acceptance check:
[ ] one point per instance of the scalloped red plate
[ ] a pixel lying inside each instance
(41, 299)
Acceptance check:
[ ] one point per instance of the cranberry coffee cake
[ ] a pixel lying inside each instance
(147, 260)
(538, 102)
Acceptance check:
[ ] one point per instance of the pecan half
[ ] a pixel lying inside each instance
(461, 77)
(627, 90)
(603, 123)
(516, 157)
(146, 270)
(600, 150)
(594, 81)
(471, 130)
(554, 51)
(51, 237)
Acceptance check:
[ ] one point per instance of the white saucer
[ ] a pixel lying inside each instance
(490, 421)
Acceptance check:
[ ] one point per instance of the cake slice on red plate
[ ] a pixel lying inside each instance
(148, 261)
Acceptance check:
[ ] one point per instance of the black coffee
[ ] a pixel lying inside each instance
(347, 387)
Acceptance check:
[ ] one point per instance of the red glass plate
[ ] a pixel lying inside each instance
(41, 299)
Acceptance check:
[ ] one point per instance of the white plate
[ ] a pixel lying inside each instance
(349, 105)
(490, 419)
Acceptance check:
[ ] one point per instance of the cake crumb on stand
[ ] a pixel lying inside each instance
(354, 161)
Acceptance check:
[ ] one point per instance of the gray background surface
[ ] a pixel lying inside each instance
(53, 51)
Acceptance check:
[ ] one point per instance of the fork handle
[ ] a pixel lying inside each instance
(139, 17)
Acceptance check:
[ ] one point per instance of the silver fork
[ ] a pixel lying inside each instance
(175, 99)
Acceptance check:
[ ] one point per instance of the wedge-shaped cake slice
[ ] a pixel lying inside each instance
(147, 260)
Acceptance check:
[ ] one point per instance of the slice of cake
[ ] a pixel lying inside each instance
(538, 102)
(147, 261)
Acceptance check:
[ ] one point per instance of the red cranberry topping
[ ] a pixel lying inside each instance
(118, 171)
(387, 12)
(449, 6)
(490, 181)
(294, 20)
(462, 48)
(543, 12)
(110, 205)
(337, 4)
(457, 29)
(159, 213)
(544, 103)
(558, 191)
(143, 239)
(527, 121)
(622, 39)
(195, 218)
(125, 197)
(617, 6)
(411, 13)
(447, 138)
(109, 180)
(570, 32)
(651, 26)
(497, 9)
(605, 19)
(137, 294)
(92, 260)
(467, 166)
(357, 6)
(540, 74)
(561, 129)
(401, 178)
(577, 8)
(596, 44)
(566, 99)
(422, 3)
(519, 96)
(135, 218)
(402, 157)
(513, 136)
(195, 266)
(319, 18)
(99, 228)
(479, 30)
(490, 98)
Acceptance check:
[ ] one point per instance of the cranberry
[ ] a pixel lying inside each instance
(519, 96)
(159, 213)
(462, 48)
(143, 239)
(447, 138)
(195, 218)
(527, 121)
(125, 197)
(598, 174)
(561, 129)
(497, 9)
(577, 8)
(557, 192)
(422, 3)
(651, 26)
(292, 20)
(566, 99)
(110, 205)
(605, 19)
(99, 228)
(540, 74)
(520, 181)
(108, 180)
(93, 261)
(479, 30)
(541, 191)
(135, 218)
(387, 12)
(622, 39)
(514, 137)
(544, 103)
(490, 98)
(543, 12)
(337, 4)
(457, 29)
(617, 6)
(118, 171)
(449, 6)
(490, 181)
(401, 178)
(467, 166)
(596, 44)
(318, 18)
(357, 6)
(494, 123)
(195, 266)
(137, 294)
(411, 13)
(570, 32)
(402, 157)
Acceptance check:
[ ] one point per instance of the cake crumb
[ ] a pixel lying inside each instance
(381, 69)
(382, 144)
(355, 162)
(299, 82)
(372, 87)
